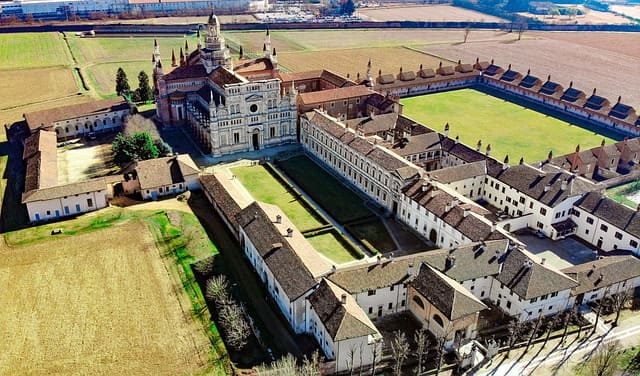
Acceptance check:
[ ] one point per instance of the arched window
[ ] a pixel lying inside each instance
(438, 319)
(418, 301)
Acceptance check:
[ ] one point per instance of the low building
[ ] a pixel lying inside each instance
(160, 177)
(81, 119)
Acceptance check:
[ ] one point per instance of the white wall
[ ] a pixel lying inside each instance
(66, 206)
(592, 230)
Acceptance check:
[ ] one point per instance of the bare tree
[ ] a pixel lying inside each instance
(236, 327)
(533, 333)
(569, 315)
(217, 289)
(440, 353)
(285, 366)
(137, 124)
(422, 341)
(551, 324)
(310, 365)
(515, 330)
(376, 352)
(467, 31)
(600, 304)
(350, 359)
(618, 302)
(400, 350)
(603, 362)
(522, 27)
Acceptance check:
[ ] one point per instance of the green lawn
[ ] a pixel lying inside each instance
(330, 246)
(32, 50)
(621, 192)
(339, 201)
(509, 128)
(264, 187)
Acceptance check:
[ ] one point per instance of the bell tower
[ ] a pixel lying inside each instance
(215, 53)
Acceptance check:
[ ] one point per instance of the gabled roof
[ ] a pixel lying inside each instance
(460, 172)
(529, 81)
(222, 198)
(316, 97)
(510, 75)
(603, 272)
(287, 268)
(596, 102)
(447, 295)
(523, 274)
(59, 191)
(40, 141)
(222, 76)
(572, 95)
(417, 144)
(550, 88)
(610, 211)
(164, 171)
(186, 71)
(545, 186)
(372, 125)
(342, 320)
(46, 118)
(621, 111)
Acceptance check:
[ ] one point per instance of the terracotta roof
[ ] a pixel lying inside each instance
(40, 141)
(41, 160)
(222, 198)
(379, 101)
(427, 73)
(186, 72)
(461, 150)
(447, 295)
(222, 76)
(341, 320)
(407, 76)
(253, 65)
(386, 79)
(320, 74)
(50, 193)
(323, 96)
(603, 272)
(287, 268)
(46, 118)
(523, 274)
(164, 171)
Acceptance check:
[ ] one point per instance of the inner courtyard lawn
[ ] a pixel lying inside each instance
(509, 128)
(338, 200)
(264, 187)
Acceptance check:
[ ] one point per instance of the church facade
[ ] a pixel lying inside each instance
(228, 108)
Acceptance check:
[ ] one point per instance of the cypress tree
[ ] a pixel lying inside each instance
(122, 83)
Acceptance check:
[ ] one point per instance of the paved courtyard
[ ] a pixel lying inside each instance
(86, 159)
(560, 253)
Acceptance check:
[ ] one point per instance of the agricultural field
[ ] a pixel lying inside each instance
(629, 11)
(125, 314)
(590, 17)
(509, 128)
(426, 13)
(612, 73)
(33, 50)
(51, 83)
(354, 61)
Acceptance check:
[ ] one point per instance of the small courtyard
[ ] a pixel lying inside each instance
(83, 159)
(559, 254)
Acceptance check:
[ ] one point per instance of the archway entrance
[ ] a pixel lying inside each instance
(256, 141)
(433, 236)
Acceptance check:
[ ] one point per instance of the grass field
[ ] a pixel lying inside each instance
(509, 128)
(338, 200)
(264, 187)
(426, 13)
(98, 300)
(32, 50)
(329, 245)
(102, 76)
(624, 193)
(51, 83)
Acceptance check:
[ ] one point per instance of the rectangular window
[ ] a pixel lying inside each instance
(543, 211)
(236, 138)
(604, 227)
(392, 287)
(90, 202)
(618, 235)
(272, 132)
(78, 208)
(590, 220)
(370, 310)
(633, 243)
(371, 292)
(390, 305)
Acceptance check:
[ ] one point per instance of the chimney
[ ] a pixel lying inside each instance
(592, 270)
(550, 156)
(488, 150)
(410, 271)
(450, 262)
(465, 213)
(563, 186)
(290, 232)
(547, 187)
(570, 84)
(529, 72)
(457, 139)
(619, 98)
(491, 61)
(278, 218)
(379, 259)
(425, 186)
(548, 78)
(505, 165)
(448, 207)
(493, 227)
(543, 261)
(594, 91)
(602, 143)
(446, 130)
(333, 269)
(479, 145)
(343, 299)
(509, 68)
(521, 161)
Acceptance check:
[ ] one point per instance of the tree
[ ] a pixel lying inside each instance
(137, 124)
(234, 324)
(310, 366)
(569, 315)
(122, 83)
(347, 7)
(350, 359)
(603, 361)
(286, 366)
(217, 288)
(522, 26)
(551, 324)
(143, 92)
(136, 147)
(600, 304)
(422, 343)
(376, 352)
(554, 12)
(618, 302)
(533, 333)
(400, 351)
(467, 31)
(515, 329)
